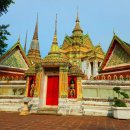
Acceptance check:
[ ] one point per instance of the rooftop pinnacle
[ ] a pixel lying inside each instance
(55, 33)
(35, 36)
(54, 46)
(77, 26)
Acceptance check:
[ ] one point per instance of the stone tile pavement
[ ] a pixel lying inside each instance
(13, 121)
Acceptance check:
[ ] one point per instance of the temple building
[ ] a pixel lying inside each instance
(54, 77)
(81, 52)
(116, 64)
(58, 83)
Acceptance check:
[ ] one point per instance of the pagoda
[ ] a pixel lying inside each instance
(81, 52)
(54, 78)
(34, 52)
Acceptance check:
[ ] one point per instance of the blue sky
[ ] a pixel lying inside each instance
(98, 18)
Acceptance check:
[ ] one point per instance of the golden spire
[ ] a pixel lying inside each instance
(35, 36)
(55, 33)
(54, 46)
(77, 26)
(25, 42)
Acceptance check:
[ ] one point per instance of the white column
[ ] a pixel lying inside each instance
(84, 66)
(95, 68)
(43, 91)
(88, 69)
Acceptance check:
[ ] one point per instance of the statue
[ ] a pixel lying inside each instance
(72, 88)
(32, 89)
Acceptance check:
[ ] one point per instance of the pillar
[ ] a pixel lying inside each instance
(95, 68)
(27, 85)
(84, 63)
(38, 84)
(43, 90)
(88, 69)
(79, 88)
(63, 82)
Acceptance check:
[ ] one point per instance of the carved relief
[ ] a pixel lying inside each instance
(109, 77)
(115, 77)
(15, 60)
(119, 56)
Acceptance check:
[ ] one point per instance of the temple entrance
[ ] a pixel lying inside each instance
(52, 90)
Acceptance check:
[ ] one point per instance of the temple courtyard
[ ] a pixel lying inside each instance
(13, 121)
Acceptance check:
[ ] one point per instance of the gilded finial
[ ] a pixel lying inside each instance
(114, 32)
(19, 38)
(56, 25)
(55, 33)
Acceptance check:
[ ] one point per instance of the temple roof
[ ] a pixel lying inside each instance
(94, 53)
(117, 55)
(15, 57)
(75, 71)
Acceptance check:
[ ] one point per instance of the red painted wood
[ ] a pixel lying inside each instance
(52, 90)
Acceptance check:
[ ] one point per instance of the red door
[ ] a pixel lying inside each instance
(52, 90)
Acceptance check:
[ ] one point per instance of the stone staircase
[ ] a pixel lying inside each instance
(8, 104)
(48, 110)
(97, 108)
(76, 107)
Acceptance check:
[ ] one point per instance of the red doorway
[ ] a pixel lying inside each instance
(52, 90)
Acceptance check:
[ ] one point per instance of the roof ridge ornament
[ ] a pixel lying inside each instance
(18, 39)
(56, 25)
(114, 32)
(55, 32)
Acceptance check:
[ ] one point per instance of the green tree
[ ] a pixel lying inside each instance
(4, 4)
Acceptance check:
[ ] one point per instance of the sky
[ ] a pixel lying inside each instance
(98, 18)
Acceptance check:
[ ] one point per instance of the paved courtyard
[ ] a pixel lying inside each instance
(13, 121)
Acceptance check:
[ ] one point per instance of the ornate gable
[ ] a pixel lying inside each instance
(15, 58)
(118, 57)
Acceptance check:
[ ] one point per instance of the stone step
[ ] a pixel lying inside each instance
(48, 111)
(10, 104)
(95, 112)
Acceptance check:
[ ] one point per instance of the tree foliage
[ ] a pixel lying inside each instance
(4, 4)
(3, 38)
